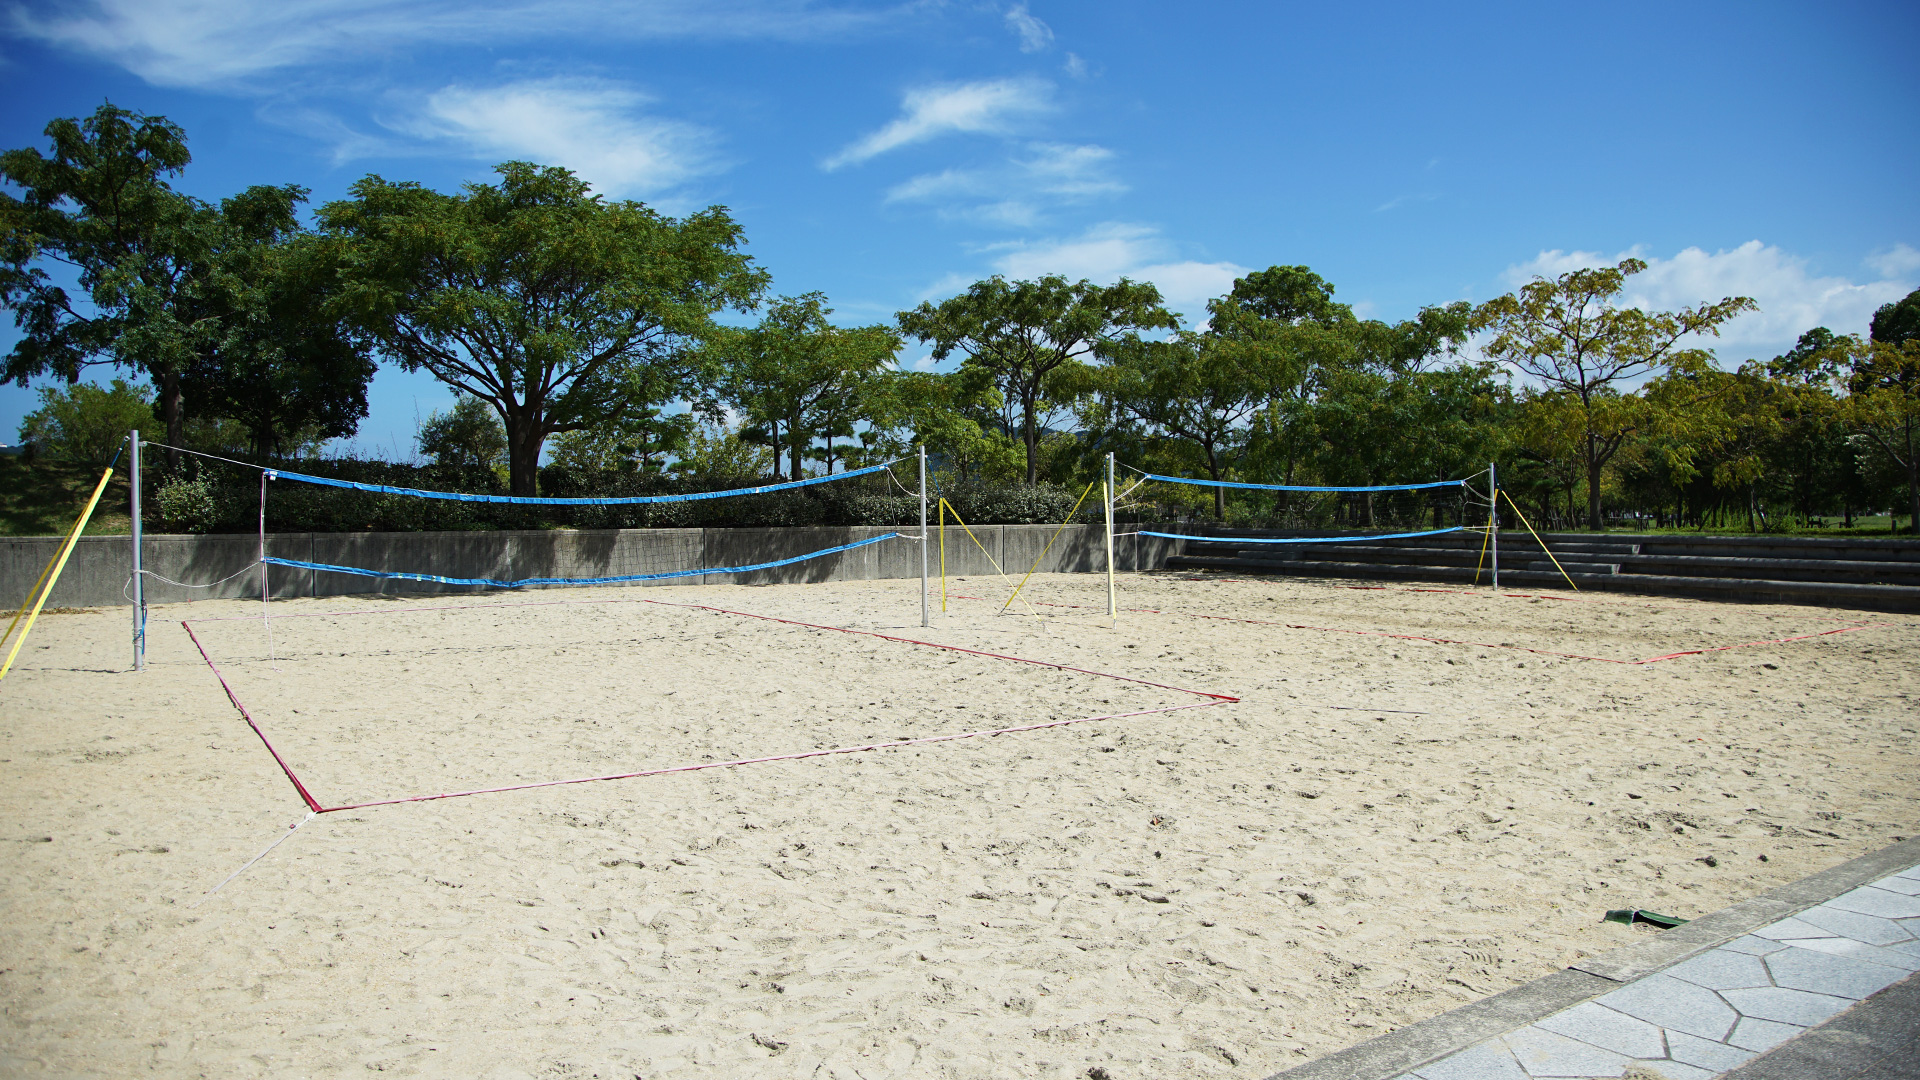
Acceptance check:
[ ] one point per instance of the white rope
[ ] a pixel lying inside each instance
(196, 453)
(291, 829)
(184, 585)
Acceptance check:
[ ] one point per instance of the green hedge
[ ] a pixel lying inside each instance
(213, 498)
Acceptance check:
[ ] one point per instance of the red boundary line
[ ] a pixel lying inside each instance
(314, 804)
(1473, 644)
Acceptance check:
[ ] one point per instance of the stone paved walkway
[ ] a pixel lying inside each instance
(1723, 1007)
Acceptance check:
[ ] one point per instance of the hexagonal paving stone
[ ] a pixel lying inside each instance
(1885, 903)
(1544, 1054)
(1591, 1022)
(1757, 946)
(1488, 1061)
(1675, 1005)
(1825, 973)
(1868, 928)
(1707, 1054)
(1904, 956)
(1722, 969)
(1753, 1033)
(1787, 1006)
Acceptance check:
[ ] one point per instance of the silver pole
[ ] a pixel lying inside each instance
(139, 579)
(926, 617)
(1493, 519)
(1113, 608)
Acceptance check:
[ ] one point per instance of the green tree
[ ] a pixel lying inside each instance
(282, 362)
(643, 441)
(85, 422)
(1034, 338)
(715, 451)
(798, 377)
(98, 211)
(1884, 381)
(469, 434)
(1569, 335)
(1189, 390)
(558, 309)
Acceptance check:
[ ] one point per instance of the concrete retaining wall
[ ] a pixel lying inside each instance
(97, 572)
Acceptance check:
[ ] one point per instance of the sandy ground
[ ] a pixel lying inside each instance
(1381, 829)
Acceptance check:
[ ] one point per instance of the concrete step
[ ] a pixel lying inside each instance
(1896, 598)
(1857, 571)
(1571, 566)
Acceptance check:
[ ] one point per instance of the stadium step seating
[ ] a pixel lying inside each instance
(1882, 574)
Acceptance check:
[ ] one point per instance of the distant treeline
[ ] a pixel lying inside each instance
(582, 332)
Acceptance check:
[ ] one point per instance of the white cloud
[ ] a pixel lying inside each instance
(1897, 261)
(1016, 192)
(990, 107)
(1108, 252)
(209, 43)
(1792, 300)
(1034, 35)
(589, 126)
(1075, 67)
(1399, 201)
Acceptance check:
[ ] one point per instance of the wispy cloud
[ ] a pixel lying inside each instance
(1399, 201)
(1018, 192)
(1108, 252)
(1899, 260)
(217, 43)
(593, 127)
(1792, 299)
(991, 107)
(1034, 35)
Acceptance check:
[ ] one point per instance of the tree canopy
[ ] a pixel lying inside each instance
(558, 309)
(1035, 338)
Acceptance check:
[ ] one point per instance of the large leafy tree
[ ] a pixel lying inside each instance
(1885, 383)
(798, 377)
(1570, 336)
(557, 308)
(1035, 338)
(1189, 390)
(277, 357)
(98, 214)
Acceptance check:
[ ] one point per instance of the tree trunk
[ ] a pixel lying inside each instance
(524, 439)
(1913, 485)
(1219, 494)
(1594, 465)
(1032, 437)
(174, 415)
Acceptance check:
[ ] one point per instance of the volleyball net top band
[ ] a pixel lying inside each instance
(527, 500)
(1299, 487)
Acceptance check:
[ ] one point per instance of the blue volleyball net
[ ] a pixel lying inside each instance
(1321, 514)
(442, 574)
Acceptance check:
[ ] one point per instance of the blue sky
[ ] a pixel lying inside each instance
(885, 154)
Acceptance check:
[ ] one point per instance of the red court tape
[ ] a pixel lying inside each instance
(1473, 644)
(314, 804)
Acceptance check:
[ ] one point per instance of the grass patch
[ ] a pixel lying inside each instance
(44, 498)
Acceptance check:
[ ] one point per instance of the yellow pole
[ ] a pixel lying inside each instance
(1485, 537)
(1542, 543)
(35, 591)
(72, 539)
(995, 563)
(943, 556)
(1049, 547)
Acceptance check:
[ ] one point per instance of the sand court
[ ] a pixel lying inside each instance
(1379, 829)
